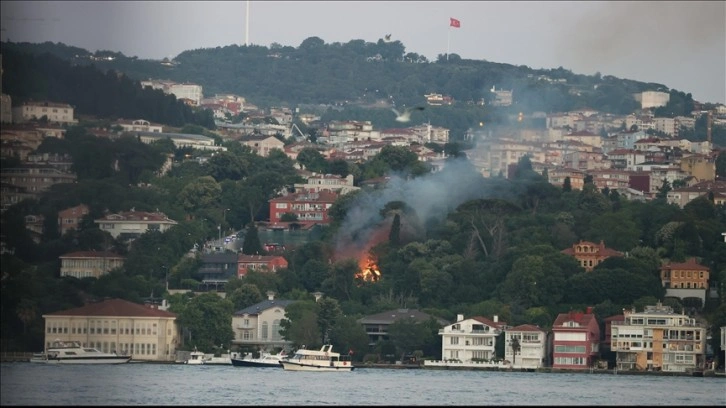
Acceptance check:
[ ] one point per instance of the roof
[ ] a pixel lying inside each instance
(91, 254)
(691, 264)
(526, 328)
(242, 258)
(583, 319)
(490, 323)
(137, 216)
(257, 308)
(391, 316)
(113, 308)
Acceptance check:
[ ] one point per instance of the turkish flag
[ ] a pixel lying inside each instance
(455, 23)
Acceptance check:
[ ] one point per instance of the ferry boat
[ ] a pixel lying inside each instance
(73, 353)
(317, 360)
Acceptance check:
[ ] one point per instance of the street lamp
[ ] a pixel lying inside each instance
(224, 217)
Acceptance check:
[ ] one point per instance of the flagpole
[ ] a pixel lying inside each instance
(448, 43)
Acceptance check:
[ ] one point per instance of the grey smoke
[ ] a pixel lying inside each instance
(434, 195)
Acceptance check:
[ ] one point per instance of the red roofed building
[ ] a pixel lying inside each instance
(89, 264)
(131, 224)
(576, 343)
(116, 325)
(259, 263)
(531, 352)
(309, 207)
(590, 254)
(686, 279)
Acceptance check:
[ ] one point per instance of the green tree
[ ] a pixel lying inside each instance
(252, 244)
(328, 314)
(407, 335)
(244, 296)
(202, 193)
(207, 319)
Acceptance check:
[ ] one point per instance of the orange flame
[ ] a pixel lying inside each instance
(369, 271)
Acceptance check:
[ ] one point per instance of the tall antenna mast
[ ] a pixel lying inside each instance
(247, 25)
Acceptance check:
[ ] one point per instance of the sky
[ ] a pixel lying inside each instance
(678, 44)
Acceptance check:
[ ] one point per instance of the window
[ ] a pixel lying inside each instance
(454, 340)
(263, 332)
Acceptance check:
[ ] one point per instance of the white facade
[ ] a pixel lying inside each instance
(532, 347)
(652, 99)
(55, 112)
(189, 91)
(469, 339)
(140, 125)
(259, 325)
(133, 223)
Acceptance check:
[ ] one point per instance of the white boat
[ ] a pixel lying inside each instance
(265, 360)
(224, 359)
(317, 360)
(195, 357)
(73, 353)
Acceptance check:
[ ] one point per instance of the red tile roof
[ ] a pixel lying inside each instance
(691, 264)
(113, 308)
(583, 319)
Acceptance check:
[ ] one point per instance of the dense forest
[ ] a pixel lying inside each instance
(447, 242)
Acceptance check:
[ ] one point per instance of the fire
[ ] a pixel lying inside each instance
(368, 271)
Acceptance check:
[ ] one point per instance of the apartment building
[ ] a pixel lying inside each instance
(330, 182)
(658, 339)
(261, 144)
(71, 218)
(116, 325)
(471, 339)
(189, 91)
(31, 180)
(376, 325)
(308, 207)
(181, 140)
(684, 195)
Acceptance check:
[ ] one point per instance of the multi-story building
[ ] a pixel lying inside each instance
(684, 195)
(583, 136)
(376, 325)
(652, 99)
(53, 111)
(261, 144)
(590, 254)
(501, 97)
(192, 92)
(145, 332)
(308, 207)
(576, 340)
(258, 326)
(658, 339)
(341, 132)
(33, 179)
(89, 264)
(471, 339)
(330, 182)
(531, 346)
(181, 140)
(700, 166)
(259, 263)
(131, 224)
(70, 218)
(685, 279)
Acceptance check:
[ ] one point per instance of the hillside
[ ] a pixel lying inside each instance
(320, 73)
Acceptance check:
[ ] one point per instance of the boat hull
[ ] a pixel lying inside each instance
(88, 360)
(258, 364)
(294, 366)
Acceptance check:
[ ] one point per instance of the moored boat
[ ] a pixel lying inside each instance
(73, 353)
(265, 360)
(196, 357)
(324, 359)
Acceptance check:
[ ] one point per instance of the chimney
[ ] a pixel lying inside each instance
(496, 319)
(589, 310)
(317, 295)
(459, 317)
(270, 295)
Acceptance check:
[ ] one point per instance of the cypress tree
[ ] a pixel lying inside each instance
(251, 244)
